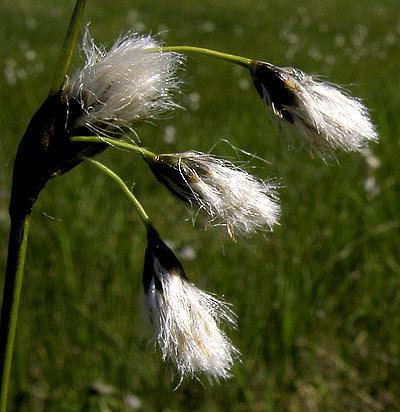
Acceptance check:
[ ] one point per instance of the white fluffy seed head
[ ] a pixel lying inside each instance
(186, 320)
(124, 86)
(229, 195)
(325, 116)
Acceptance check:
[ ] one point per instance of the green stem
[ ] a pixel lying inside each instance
(11, 297)
(147, 154)
(68, 47)
(139, 208)
(241, 61)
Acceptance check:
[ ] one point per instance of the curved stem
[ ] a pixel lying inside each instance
(241, 61)
(11, 297)
(147, 154)
(139, 208)
(68, 47)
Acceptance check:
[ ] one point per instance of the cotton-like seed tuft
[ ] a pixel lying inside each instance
(228, 194)
(127, 85)
(187, 321)
(324, 115)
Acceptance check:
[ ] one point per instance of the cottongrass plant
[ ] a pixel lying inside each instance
(324, 115)
(124, 86)
(187, 321)
(229, 195)
(133, 83)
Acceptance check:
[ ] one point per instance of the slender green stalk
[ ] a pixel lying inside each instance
(241, 61)
(11, 297)
(139, 208)
(147, 154)
(68, 47)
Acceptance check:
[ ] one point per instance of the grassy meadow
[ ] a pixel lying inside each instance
(318, 300)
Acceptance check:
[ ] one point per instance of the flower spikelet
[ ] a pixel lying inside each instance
(229, 195)
(325, 116)
(124, 86)
(186, 319)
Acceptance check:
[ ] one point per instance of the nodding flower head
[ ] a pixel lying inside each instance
(125, 85)
(113, 92)
(324, 115)
(229, 195)
(186, 320)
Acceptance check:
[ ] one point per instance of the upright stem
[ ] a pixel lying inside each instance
(139, 208)
(11, 296)
(241, 61)
(68, 47)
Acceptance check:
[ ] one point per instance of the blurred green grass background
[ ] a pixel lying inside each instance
(318, 299)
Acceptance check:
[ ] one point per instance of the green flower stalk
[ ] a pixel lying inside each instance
(231, 58)
(11, 298)
(139, 208)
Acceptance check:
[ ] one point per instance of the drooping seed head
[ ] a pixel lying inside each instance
(186, 320)
(229, 195)
(324, 115)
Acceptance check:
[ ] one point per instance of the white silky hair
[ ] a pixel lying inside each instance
(187, 326)
(229, 195)
(327, 117)
(125, 85)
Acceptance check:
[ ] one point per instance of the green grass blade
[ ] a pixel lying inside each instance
(68, 47)
(11, 298)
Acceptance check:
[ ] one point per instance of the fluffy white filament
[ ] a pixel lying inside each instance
(125, 85)
(325, 116)
(328, 117)
(228, 194)
(186, 322)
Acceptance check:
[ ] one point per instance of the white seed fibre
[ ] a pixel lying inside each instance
(125, 85)
(328, 118)
(186, 322)
(229, 195)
